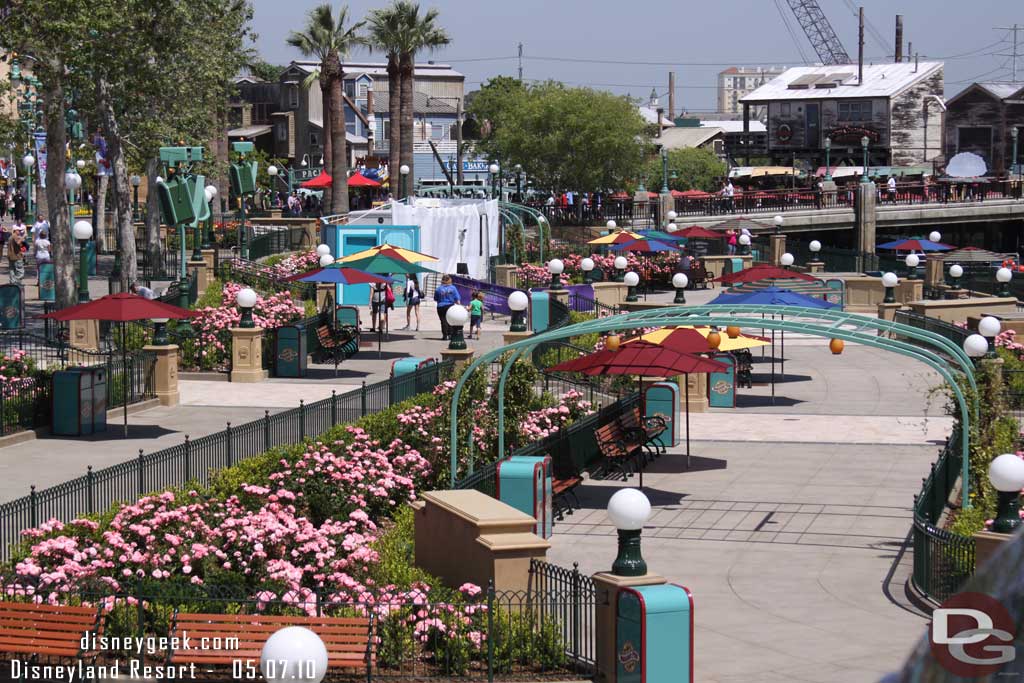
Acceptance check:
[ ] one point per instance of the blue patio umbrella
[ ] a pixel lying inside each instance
(645, 245)
(915, 245)
(340, 276)
(661, 236)
(772, 296)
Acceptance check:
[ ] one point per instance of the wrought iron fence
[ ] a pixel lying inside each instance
(547, 631)
(195, 459)
(265, 240)
(1013, 380)
(948, 330)
(836, 260)
(943, 560)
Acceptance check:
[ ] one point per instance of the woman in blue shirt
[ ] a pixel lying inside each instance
(446, 295)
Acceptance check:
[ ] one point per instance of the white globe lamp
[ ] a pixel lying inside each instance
(935, 236)
(786, 260)
(456, 317)
(889, 281)
(326, 260)
(611, 224)
(294, 655)
(28, 161)
(629, 509)
(517, 303)
(246, 300)
(1006, 472)
(322, 250)
(975, 346)
(631, 280)
(680, 282)
(82, 230)
(1003, 277)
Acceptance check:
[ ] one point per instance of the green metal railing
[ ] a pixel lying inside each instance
(192, 462)
(943, 560)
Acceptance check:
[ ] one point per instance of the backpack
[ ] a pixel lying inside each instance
(389, 295)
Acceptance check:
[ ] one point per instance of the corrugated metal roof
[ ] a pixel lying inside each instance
(682, 138)
(734, 126)
(421, 104)
(1002, 90)
(880, 80)
(651, 117)
(380, 69)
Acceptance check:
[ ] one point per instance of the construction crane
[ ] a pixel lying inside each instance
(815, 25)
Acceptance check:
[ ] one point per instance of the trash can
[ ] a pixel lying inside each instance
(524, 482)
(290, 352)
(47, 282)
(654, 634)
(11, 307)
(79, 401)
(403, 386)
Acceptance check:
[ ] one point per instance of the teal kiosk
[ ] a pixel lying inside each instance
(524, 482)
(662, 399)
(348, 239)
(654, 634)
(722, 385)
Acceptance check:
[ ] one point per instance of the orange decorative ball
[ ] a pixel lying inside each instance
(732, 331)
(612, 342)
(714, 339)
(836, 346)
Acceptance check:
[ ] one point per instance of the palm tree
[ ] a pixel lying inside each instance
(422, 33)
(325, 95)
(329, 40)
(387, 36)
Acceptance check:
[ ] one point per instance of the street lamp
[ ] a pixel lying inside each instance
(912, 261)
(956, 271)
(519, 183)
(246, 300)
(209, 193)
(629, 509)
(160, 332)
(555, 268)
(671, 227)
(935, 236)
(889, 281)
(680, 282)
(494, 169)
(864, 143)
(620, 264)
(631, 281)
(611, 224)
(778, 221)
(587, 266)
(135, 182)
(82, 231)
(815, 247)
(989, 327)
(323, 250)
(786, 260)
(744, 241)
(975, 346)
(1003, 277)
(517, 303)
(1014, 132)
(1006, 472)
(28, 161)
(828, 159)
(664, 170)
(456, 317)
(326, 260)
(404, 171)
(294, 655)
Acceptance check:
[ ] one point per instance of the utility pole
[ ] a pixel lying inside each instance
(458, 138)
(1015, 28)
(520, 61)
(672, 95)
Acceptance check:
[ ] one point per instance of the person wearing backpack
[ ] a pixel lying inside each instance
(413, 297)
(382, 297)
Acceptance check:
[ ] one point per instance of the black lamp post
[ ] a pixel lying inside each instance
(864, 143)
(828, 159)
(629, 509)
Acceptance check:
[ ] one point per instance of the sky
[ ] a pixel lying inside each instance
(629, 49)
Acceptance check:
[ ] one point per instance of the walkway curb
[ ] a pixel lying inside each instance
(113, 416)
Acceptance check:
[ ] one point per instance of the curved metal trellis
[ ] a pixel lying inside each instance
(826, 324)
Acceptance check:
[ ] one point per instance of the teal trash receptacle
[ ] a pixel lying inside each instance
(404, 381)
(47, 282)
(654, 634)
(524, 482)
(12, 311)
(79, 401)
(290, 352)
(540, 312)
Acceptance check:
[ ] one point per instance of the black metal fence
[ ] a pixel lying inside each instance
(256, 276)
(1013, 380)
(547, 631)
(265, 240)
(948, 330)
(943, 560)
(624, 213)
(194, 459)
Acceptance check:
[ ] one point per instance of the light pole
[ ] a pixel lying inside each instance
(989, 327)
(912, 261)
(246, 300)
(494, 170)
(828, 159)
(664, 170)
(629, 509)
(456, 317)
(72, 181)
(815, 247)
(778, 221)
(889, 281)
(556, 268)
(1006, 473)
(28, 161)
(620, 264)
(956, 271)
(786, 260)
(1003, 277)
(519, 183)
(209, 193)
(864, 143)
(404, 171)
(587, 266)
(1014, 133)
(670, 217)
(82, 231)
(135, 182)
(517, 303)
(975, 346)
(631, 280)
(680, 282)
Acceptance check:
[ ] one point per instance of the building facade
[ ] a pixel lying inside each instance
(897, 108)
(981, 119)
(736, 82)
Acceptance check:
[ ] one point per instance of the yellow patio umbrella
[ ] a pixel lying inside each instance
(388, 250)
(743, 341)
(617, 237)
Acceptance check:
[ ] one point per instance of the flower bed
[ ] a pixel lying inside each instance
(24, 390)
(657, 268)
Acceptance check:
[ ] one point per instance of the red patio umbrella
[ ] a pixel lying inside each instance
(320, 182)
(700, 233)
(359, 180)
(763, 271)
(644, 359)
(122, 308)
(691, 194)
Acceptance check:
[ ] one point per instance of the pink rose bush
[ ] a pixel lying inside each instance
(292, 265)
(17, 371)
(657, 267)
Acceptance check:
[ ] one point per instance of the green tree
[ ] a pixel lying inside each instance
(387, 35)
(565, 138)
(265, 70)
(488, 105)
(328, 40)
(695, 168)
(423, 33)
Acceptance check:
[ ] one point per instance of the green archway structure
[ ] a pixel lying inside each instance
(932, 349)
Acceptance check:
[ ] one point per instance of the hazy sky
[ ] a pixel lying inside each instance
(630, 48)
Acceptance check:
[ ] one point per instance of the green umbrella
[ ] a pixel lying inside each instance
(384, 264)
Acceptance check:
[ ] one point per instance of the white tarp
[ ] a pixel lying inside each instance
(966, 165)
(458, 230)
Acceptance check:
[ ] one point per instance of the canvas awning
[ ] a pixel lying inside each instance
(249, 131)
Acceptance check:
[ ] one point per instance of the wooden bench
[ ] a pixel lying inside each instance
(563, 488)
(348, 639)
(336, 344)
(48, 630)
(617, 447)
(647, 428)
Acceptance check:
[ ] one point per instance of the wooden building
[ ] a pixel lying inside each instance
(981, 119)
(897, 107)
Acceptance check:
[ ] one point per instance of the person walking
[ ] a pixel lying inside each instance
(378, 305)
(446, 295)
(19, 206)
(476, 313)
(41, 246)
(16, 248)
(413, 297)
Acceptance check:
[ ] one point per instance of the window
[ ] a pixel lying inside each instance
(453, 133)
(855, 111)
(437, 132)
(314, 140)
(350, 88)
(281, 131)
(362, 90)
(386, 130)
(293, 96)
(784, 109)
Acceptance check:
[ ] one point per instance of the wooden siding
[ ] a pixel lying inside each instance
(980, 109)
(829, 120)
(917, 122)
